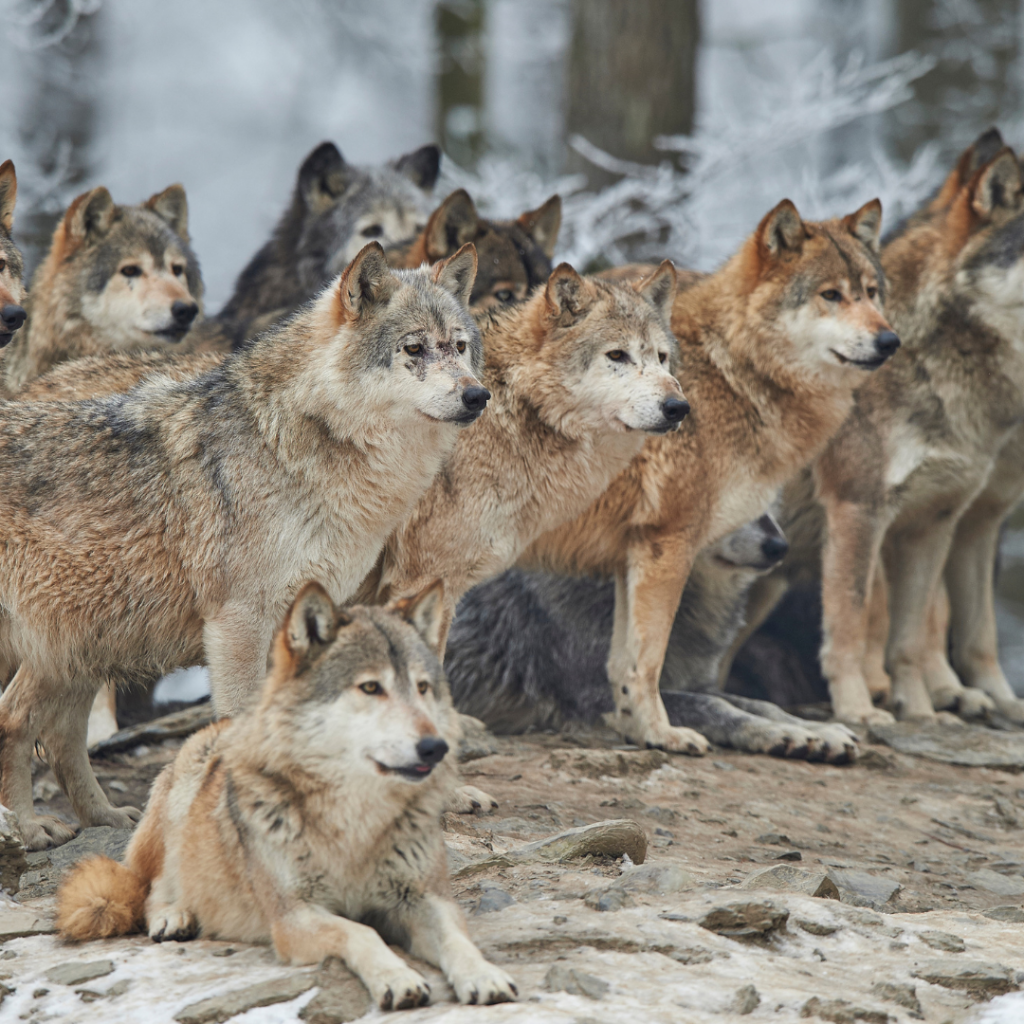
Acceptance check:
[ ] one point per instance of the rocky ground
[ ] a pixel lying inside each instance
(890, 890)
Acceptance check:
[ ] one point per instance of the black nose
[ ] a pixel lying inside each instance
(886, 342)
(184, 312)
(13, 317)
(675, 409)
(774, 548)
(474, 398)
(431, 749)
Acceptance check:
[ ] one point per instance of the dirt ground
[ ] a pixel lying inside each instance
(927, 859)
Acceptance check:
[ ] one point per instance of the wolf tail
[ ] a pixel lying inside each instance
(100, 898)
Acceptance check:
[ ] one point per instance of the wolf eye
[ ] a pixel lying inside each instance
(373, 688)
(662, 356)
(504, 295)
(616, 355)
(414, 349)
(372, 231)
(177, 270)
(831, 295)
(422, 686)
(872, 292)
(3, 266)
(460, 346)
(132, 270)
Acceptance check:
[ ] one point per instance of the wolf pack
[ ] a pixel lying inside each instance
(413, 471)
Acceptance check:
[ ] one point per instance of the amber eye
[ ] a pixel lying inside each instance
(460, 346)
(662, 356)
(423, 686)
(177, 270)
(616, 355)
(372, 231)
(504, 295)
(132, 270)
(872, 292)
(373, 688)
(414, 349)
(3, 266)
(831, 295)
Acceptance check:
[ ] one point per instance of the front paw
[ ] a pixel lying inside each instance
(398, 988)
(41, 831)
(470, 800)
(485, 985)
(973, 703)
(116, 817)
(836, 744)
(172, 924)
(675, 739)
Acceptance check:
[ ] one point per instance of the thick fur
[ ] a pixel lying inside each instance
(173, 524)
(772, 347)
(116, 279)
(12, 266)
(311, 821)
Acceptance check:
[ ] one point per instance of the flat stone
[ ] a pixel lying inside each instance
(786, 878)
(945, 941)
(76, 972)
(773, 839)
(805, 924)
(656, 879)
(493, 898)
(978, 979)
(993, 881)
(229, 1004)
(902, 994)
(342, 997)
(178, 723)
(746, 1000)
(862, 889)
(609, 900)
(16, 922)
(13, 863)
(839, 1011)
(1008, 912)
(745, 920)
(972, 746)
(578, 983)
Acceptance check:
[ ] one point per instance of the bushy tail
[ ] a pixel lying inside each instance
(100, 898)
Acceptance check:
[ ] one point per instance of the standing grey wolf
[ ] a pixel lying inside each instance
(173, 524)
(310, 814)
(528, 651)
(12, 268)
(772, 347)
(116, 278)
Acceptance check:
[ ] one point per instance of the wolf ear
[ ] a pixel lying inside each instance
(866, 224)
(997, 185)
(8, 194)
(451, 226)
(364, 281)
(89, 217)
(566, 293)
(659, 289)
(171, 206)
(421, 166)
(312, 623)
(425, 612)
(323, 177)
(457, 274)
(543, 224)
(781, 230)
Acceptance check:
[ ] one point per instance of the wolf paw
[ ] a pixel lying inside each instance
(834, 744)
(116, 817)
(485, 985)
(470, 800)
(173, 925)
(974, 703)
(398, 988)
(676, 739)
(1012, 709)
(42, 831)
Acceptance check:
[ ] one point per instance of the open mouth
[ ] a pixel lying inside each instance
(415, 772)
(172, 334)
(5, 338)
(863, 364)
(666, 428)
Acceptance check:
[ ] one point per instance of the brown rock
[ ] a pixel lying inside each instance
(786, 878)
(945, 941)
(745, 920)
(978, 979)
(839, 1011)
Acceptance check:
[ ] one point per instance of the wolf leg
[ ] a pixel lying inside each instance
(103, 716)
(20, 706)
(877, 679)
(236, 642)
(647, 596)
(437, 933)
(307, 934)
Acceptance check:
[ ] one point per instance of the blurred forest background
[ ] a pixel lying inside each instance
(669, 126)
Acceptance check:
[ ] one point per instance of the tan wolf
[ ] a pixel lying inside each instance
(116, 278)
(172, 525)
(772, 347)
(12, 267)
(315, 811)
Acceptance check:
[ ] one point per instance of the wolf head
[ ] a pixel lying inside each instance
(818, 287)
(12, 315)
(363, 686)
(758, 546)
(603, 354)
(337, 208)
(515, 255)
(128, 271)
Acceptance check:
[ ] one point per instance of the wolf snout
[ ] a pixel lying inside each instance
(675, 409)
(184, 313)
(431, 750)
(886, 342)
(474, 398)
(12, 317)
(774, 549)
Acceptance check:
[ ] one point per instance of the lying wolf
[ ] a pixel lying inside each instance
(329, 795)
(12, 267)
(116, 278)
(173, 524)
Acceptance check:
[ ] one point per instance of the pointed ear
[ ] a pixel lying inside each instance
(780, 231)
(312, 623)
(425, 612)
(365, 282)
(997, 185)
(171, 206)
(421, 166)
(659, 289)
(89, 217)
(543, 224)
(323, 177)
(451, 226)
(866, 224)
(8, 194)
(566, 293)
(457, 274)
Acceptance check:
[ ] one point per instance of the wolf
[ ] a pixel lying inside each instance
(311, 821)
(12, 267)
(515, 255)
(172, 525)
(116, 278)
(772, 348)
